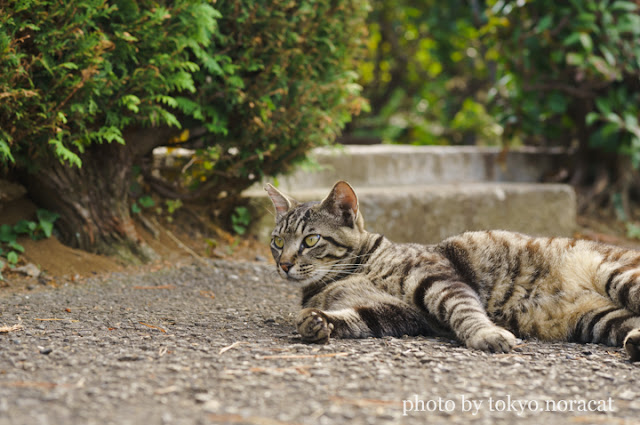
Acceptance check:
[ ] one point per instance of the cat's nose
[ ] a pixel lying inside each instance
(286, 266)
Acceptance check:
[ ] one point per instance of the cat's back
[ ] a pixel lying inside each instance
(487, 258)
(489, 246)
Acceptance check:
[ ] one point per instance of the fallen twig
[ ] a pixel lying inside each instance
(229, 347)
(302, 356)
(209, 294)
(302, 370)
(167, 390)
(7, 329)
(365, 402)
(253, 420)
(54, 319)
(186, 248)
(155, 287)
(153, 327)
(31, 384)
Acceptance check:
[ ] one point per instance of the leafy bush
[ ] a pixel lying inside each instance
(568, 70)
(9, 246)
(534, 72)
(425, 74)
(270, 75)
(79, 72)
(291, 87)
(252, 84)
(268, 81)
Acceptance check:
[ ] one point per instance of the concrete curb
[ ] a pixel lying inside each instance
(430, 213)
(402, 165)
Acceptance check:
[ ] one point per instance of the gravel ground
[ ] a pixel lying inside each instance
(202, 345)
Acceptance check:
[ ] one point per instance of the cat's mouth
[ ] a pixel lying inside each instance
(300, 275)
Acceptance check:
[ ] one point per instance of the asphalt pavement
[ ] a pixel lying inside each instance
(217, 345)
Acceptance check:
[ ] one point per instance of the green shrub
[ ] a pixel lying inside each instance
(568, 71)
(88, 88)
(76, 73)
(425, 74)
(293, 87)
(10, 249)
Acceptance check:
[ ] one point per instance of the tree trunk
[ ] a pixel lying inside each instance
(93, 201)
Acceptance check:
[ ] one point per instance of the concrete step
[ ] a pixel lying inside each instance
(384, 165)
(428, 213)
(427, 193)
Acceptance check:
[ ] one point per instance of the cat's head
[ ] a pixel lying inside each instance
(315, 240)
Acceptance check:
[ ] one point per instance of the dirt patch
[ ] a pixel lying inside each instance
(56, 259)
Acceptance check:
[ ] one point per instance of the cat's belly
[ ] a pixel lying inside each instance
(550, 307)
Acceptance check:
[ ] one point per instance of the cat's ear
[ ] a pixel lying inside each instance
(342, 202)
(281, 202)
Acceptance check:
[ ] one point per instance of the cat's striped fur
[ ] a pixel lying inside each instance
(482, 287)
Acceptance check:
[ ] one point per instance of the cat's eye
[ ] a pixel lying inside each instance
(278, 241)
(311, 240)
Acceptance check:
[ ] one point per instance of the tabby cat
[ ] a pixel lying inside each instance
(481, 287)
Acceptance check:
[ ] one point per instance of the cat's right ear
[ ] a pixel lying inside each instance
(281, 202)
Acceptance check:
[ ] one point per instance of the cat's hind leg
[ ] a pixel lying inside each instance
(619, 278)
(632, 345)
(611, 326)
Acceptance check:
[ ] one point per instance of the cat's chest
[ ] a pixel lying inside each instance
(398, 276)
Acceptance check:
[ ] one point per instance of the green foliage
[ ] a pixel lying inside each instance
(512, 71)
(633, 230)
(284, 84)
(79, 72)
(144, 201)
(9, 246)
(240, 220)
(45, 224)
(173, 205)
(253, 84)
(425, 74)
(568, 70)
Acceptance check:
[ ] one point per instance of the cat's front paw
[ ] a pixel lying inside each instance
(313, 325)
(493, 339)
(632, 345)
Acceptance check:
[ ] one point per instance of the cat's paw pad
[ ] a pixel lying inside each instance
(492, 339)
(632, 345)
(313, 325)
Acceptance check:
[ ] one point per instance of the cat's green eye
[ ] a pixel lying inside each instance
(311, 240)
(278, 241)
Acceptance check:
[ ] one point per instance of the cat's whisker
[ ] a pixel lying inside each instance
(339, 271)
(352, 257)
(272, 213)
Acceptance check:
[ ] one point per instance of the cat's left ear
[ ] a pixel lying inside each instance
(281, 202)
(342, 202)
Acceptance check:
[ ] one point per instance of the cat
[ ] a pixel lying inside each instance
(481, 287)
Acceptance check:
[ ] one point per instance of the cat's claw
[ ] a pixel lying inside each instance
(632, 345)
(313, 326)
(492, 339)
